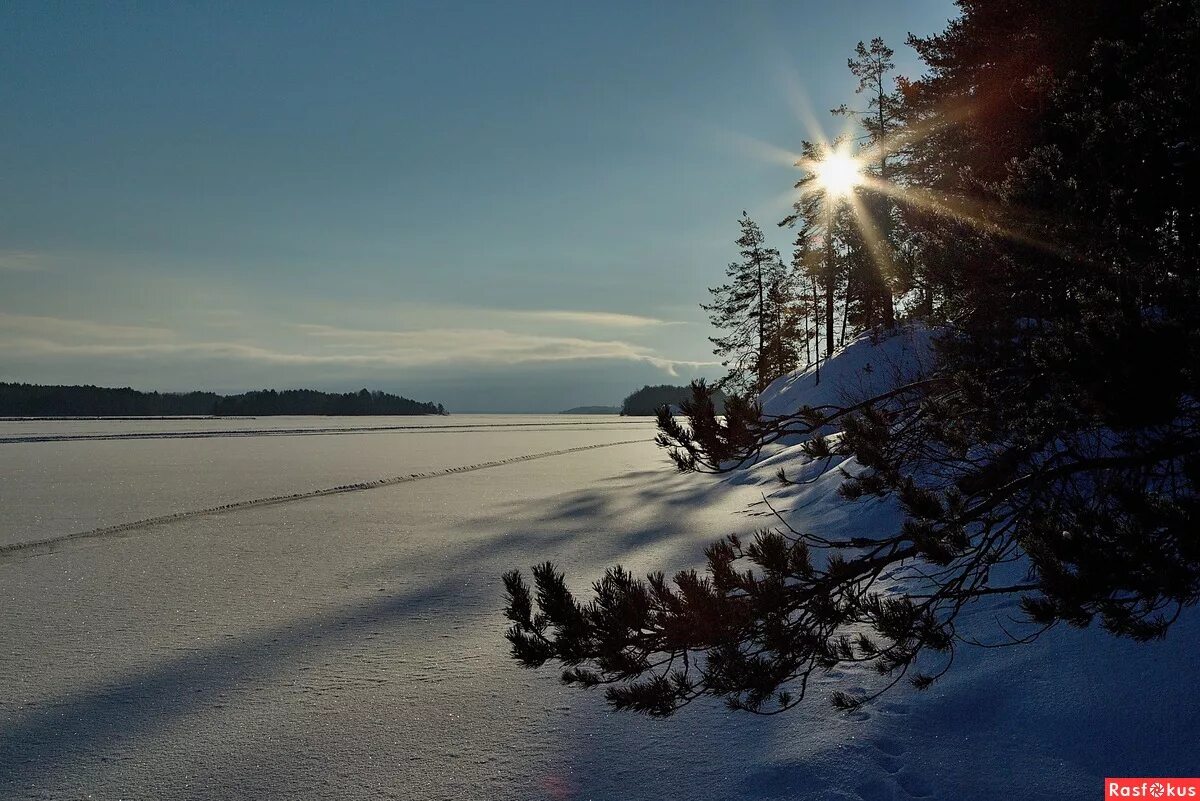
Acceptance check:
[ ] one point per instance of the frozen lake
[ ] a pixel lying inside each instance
(59, 477)
(338, 632)
(345, 645)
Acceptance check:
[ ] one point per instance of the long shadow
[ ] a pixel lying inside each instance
(578, 527)
(643, 488)
(38, 742)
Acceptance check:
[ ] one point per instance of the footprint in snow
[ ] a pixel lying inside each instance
(915, 785)
(886, 745)
(883, 789)
(900, 787)
(889, 764)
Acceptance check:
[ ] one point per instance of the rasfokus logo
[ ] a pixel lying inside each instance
(1152, 788)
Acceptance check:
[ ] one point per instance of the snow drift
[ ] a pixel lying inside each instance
(867, 366)
(1045, 720)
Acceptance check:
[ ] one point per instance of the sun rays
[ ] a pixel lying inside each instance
(844, 169)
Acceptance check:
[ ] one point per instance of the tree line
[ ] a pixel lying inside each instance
(853, 262)
(1033, 196)
(33, 400)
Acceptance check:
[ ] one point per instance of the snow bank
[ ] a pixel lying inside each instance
(1048, 720)
(867, 366)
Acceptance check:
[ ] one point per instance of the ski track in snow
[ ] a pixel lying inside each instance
(463, 428)
(37, 546)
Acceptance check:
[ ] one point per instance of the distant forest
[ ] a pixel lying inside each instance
(32, 400)
(648, 400)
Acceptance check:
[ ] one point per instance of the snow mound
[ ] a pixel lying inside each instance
(868, 365)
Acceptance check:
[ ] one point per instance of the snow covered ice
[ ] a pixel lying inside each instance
(350, 645)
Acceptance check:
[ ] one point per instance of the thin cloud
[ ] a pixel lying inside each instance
(488, 346)
(58, 328)
(608, 319)
(14, 261)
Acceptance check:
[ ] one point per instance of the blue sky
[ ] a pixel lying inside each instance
(499, 206)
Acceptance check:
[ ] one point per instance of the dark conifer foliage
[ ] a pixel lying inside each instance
(32, 400)
(1052, 454)
(307, 401)
(649, 400)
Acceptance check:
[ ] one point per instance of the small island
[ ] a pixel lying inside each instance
(593, 410)
(649, 399)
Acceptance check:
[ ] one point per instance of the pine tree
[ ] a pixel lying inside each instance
(883, 121)
(752, 309)
(783, 333)
(807, 267)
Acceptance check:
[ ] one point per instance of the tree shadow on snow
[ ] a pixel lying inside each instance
(627, 518)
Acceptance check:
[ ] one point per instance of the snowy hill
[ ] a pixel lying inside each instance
(865, 367)
(1047, 720)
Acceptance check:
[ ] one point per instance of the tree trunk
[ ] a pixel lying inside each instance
(885, 290)
(829, 275)
(816, 328)
(828, 320)
(807, 340)
(761, 367)
(845, 313)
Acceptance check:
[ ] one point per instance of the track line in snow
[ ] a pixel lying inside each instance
(18, 548)
(302, 432)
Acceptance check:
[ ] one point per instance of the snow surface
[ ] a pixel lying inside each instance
(63, 477)
(867, 366)
(349, 645)
(1049, 720)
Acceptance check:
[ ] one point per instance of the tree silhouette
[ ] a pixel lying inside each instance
(753, 310)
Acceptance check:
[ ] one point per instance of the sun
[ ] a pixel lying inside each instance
(838, 173)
